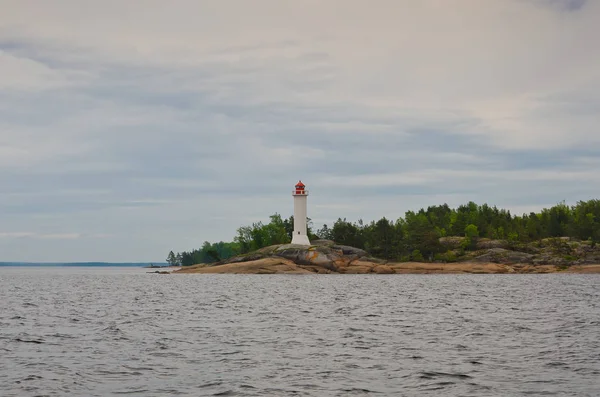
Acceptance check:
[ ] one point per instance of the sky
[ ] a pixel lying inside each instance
(131, 128)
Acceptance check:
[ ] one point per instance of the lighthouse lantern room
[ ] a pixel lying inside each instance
(300, 197)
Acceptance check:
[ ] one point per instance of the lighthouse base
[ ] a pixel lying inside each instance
(300, 239)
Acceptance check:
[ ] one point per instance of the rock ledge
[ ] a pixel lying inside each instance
(326, 257)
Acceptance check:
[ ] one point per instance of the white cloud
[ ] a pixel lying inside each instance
(52, 236)
(15, 234)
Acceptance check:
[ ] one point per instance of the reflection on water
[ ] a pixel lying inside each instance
(98, 332)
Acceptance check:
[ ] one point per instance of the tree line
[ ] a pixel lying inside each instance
(416, 236)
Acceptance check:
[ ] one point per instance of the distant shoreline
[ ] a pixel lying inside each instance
(80, 264)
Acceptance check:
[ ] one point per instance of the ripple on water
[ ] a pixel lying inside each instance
(124, 332)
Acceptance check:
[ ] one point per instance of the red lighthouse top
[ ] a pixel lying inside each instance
(299, 189)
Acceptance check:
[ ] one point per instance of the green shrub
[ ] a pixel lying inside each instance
(466, 244)
(451, 256)
(417, 256)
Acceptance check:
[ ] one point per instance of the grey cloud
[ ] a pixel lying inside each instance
(562, 5)
(163, 150)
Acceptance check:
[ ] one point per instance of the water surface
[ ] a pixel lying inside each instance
(103, 332)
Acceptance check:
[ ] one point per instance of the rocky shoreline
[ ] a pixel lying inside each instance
(326, 257)
(283, 266)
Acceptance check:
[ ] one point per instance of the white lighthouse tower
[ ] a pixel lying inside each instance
(300, 196)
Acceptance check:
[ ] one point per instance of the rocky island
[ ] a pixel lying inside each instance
(469, 239)
(490, 257)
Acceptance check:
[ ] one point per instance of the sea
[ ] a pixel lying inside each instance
(123, 331)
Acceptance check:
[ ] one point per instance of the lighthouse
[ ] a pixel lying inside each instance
(300, 195)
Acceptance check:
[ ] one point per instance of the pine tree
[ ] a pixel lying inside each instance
(171, 260)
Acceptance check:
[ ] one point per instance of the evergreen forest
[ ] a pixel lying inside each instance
(417, 236)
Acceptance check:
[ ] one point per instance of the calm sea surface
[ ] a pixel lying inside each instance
(104, 332)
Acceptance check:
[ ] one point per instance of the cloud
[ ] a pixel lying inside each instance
(61, 236)
(56, 236)
(162, 125)
(15, 234)
(562, 5)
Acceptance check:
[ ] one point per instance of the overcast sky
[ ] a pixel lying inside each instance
(130, 128)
